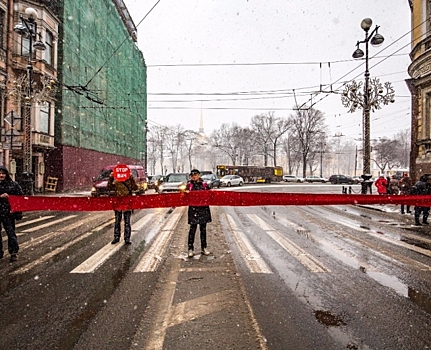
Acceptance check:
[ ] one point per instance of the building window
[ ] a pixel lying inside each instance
(49, 48)
(2, 23)
(45, 118)
(25, 42)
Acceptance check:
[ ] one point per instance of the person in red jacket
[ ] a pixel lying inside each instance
(381, 184)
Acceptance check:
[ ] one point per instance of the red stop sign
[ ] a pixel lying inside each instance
(121, 172)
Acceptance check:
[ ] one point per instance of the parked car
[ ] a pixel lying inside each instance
(154, 182)
(211, 180)
(315, 178)
(100, 182)
(341, 179)
(174, 182)
(231, 180)
(292, 178)
(357, 179)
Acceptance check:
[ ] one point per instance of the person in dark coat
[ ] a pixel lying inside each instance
(198, 215)
(405, 185)
(122, 188)
(422, 187)
(7, 219)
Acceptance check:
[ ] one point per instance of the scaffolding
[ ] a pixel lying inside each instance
(103, 100)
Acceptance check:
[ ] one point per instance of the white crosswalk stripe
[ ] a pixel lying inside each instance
(97, 259)
(252, 258)
(297, 252)
(151, 260)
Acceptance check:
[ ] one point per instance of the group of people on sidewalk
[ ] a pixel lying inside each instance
(404, 186)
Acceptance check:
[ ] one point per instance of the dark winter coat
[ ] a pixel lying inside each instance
(422, 187)
(198, 215)
(405, 184)
(10, 187)
(122, 188)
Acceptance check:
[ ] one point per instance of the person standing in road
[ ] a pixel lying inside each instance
(197, 215)
(7, 219)
(422, 187)
(381, 184)
(122, 188)
(404, 185)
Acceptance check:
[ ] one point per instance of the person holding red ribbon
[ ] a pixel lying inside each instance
(122, 188)
(198, 215)
(7, 219)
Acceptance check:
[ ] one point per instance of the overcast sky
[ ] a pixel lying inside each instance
(230, 60)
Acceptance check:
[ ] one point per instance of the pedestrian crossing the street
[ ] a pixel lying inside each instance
(159, 229)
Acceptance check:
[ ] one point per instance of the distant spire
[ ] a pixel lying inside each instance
(201, 123)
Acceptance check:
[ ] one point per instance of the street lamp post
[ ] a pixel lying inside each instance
(374, 93)
(23, 89)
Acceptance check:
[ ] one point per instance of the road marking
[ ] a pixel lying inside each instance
(297, 252)
(29, 222)
(152, 258)
(49, 223)
(198, 307)
(252, 258)
(45, 237)
(52, 253)
(402, 259)
(97, 259)
(57, 250)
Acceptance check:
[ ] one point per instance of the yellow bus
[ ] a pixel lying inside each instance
(251, 173)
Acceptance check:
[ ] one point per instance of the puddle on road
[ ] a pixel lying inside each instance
(328, 319)
(390, 281)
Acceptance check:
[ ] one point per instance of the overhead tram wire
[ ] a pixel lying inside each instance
(375, 56)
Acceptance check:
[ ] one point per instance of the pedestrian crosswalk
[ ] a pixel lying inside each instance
(160, 228)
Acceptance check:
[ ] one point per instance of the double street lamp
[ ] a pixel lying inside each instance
(23, 90)
(373, 95)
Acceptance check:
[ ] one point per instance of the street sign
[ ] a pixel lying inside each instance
(121, 172)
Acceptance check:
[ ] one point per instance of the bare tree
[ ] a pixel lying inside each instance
(387, 154)
(403, 146)
(227, 140)
(307, 124)
(174, 139)
(157, 142)
(189, 141)
(268, 130)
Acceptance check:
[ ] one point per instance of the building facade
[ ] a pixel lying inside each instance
(101, 108)
(420, 88)
(18, 57)
(86, 103)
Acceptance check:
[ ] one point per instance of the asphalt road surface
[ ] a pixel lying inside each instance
(294, 277)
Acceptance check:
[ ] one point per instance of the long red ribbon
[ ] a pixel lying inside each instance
(200, 198)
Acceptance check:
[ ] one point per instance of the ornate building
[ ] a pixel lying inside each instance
(420, 88)
(28, 68)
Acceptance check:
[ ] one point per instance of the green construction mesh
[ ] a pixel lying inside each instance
(103, 98)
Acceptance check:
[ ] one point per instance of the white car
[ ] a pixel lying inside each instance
(315, 178)
(292, 178)
(174, 182)
(232, 180)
